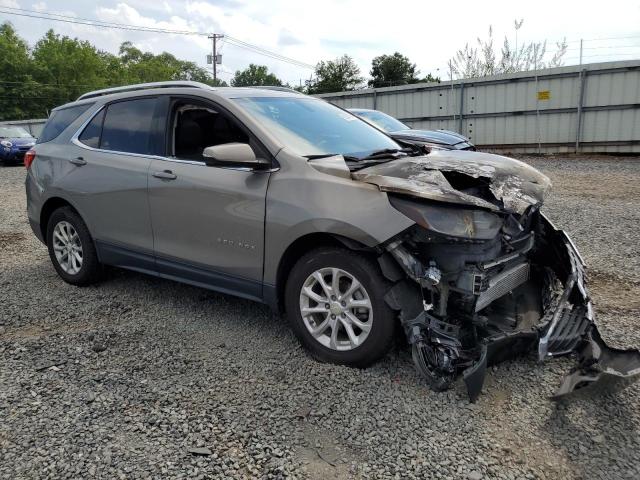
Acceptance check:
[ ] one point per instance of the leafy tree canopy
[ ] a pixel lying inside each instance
(58, 69)
(337, 75)
(255, 76)
(389, 70)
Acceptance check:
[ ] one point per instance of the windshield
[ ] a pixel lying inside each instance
(14, 132)
(382, 120)
(312, 127)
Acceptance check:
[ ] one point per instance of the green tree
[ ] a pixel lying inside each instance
(67, 67)
(389, 70)
(341, 74)
(255, 76)
(59, 69)
(143, 67)
(18, 90)
(428, 78)
(396, 69)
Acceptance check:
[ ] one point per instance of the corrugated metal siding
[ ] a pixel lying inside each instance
(503, 112)
(34, 126)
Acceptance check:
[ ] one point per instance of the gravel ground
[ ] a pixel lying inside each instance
(144, 378)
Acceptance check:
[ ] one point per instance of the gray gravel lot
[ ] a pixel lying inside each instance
(144, 378)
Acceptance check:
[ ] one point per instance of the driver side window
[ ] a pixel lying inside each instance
(196, 126)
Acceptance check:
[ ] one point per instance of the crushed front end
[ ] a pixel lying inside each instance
(483, 276)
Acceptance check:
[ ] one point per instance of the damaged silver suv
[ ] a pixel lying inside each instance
(286, 199)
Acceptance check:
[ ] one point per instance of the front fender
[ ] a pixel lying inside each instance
(302, 200)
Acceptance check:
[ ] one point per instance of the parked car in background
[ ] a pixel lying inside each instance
(14, 143)
(283, 198)
(431, 139)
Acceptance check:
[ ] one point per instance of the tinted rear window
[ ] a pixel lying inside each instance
(127, 126)
(59, 120)
(91, 134)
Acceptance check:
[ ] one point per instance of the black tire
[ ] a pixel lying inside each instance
(367, 272)
(90, 270)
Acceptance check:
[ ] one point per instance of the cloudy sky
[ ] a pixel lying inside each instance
(427, 32)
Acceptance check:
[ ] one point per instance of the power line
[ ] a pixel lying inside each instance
(602, 38)
(96, 23)
(38, 84)
(614, 47)
(28, 97)
(242, 44)
(610, 54)
(123, 26)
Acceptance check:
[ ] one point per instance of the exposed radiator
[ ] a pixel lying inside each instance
(502, 283)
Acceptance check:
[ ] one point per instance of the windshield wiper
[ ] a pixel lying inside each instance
(377, 154)
(389, 153)
(350, 158)
(374, 158)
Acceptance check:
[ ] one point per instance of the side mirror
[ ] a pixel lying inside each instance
(232, 155)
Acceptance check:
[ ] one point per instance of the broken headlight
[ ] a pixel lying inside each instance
(449, 220)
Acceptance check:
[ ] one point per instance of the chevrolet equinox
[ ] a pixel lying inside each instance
(283, 198)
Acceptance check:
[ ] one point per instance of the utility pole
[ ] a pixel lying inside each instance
(580, 51)
(214, 57)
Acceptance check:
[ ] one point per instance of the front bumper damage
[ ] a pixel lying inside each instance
(483, 276)
(443, 348)
(600, 369)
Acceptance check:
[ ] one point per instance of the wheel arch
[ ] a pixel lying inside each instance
(299, 247)
(50, 206)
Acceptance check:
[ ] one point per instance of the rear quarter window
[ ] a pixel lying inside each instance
(91, 134)
(60, 120)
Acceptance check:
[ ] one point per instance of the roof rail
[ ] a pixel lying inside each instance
(276, 88)
(143, 86)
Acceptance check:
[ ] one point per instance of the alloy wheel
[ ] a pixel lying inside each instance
(67, 247)
(336, 309)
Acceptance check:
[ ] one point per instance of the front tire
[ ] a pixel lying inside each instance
(71, 248)
(334, 300)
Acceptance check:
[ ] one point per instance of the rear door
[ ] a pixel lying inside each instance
(208, 222)
(111, 161)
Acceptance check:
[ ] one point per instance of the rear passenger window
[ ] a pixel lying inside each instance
(59, 120)
(91, 134)
(127, 126)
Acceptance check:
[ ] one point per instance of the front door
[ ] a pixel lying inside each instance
(208, 222)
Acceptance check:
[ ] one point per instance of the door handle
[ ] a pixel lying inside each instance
(79, 161)
(165, 175)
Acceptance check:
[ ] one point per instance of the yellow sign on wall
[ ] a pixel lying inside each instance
(544, 95)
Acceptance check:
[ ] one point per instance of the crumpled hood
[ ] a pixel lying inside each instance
(514, 184)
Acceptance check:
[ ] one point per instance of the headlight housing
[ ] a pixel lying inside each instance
(449, 220)
(6, 143)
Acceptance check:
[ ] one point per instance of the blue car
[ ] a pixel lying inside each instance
(14, 143)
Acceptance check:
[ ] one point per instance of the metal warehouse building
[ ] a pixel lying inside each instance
(583, 108)
(34, 127)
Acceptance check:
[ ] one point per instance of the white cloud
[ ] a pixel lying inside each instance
(39, 7)
(9, 3)
(428, 33)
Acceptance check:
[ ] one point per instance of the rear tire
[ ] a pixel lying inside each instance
(364, 324)
(71, 248)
